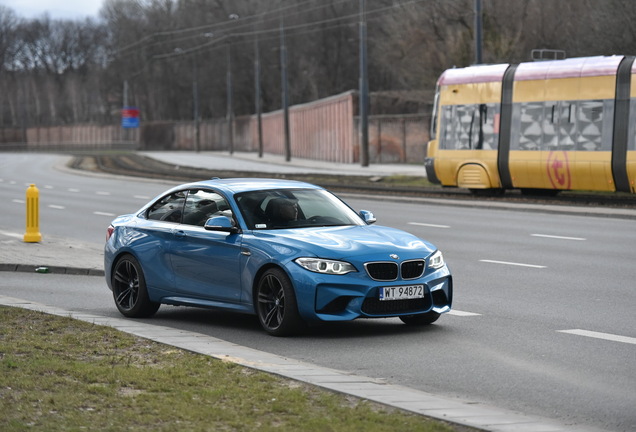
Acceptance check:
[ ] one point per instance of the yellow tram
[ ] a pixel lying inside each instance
(538, 126)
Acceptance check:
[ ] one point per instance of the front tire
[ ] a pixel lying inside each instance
(489, 192)
(129, 289)
(420, 319)
(276, 305)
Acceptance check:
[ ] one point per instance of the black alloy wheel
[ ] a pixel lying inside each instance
(129, 289)
(276, 304)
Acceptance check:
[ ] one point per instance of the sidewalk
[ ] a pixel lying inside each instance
(51, 255)
(269, 163)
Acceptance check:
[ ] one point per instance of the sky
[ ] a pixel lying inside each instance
(57, 9)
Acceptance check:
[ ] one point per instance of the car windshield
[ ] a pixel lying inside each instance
(294, 208)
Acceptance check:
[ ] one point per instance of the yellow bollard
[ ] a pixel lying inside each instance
(32, 234)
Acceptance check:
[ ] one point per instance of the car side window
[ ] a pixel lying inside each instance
(168, 208)
(204, 204)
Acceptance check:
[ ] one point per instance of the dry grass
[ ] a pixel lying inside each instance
(61, 374)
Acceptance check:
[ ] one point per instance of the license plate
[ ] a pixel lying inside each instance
(404, 292)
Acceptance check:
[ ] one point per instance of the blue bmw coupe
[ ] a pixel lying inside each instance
(290, 252)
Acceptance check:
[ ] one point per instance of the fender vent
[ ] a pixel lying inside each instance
(473, 176)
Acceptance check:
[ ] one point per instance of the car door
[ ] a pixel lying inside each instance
(206, 264)
(153, 236)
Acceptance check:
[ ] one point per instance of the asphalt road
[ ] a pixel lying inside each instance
(543, 319)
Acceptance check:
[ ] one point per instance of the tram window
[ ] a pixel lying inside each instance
(446, 127)
(527, 130)
(550, 124)
(463, 127)
(456, 127)
(469, 127)
(489, 115)
(567, 125)
(590, 124)
(433, 128)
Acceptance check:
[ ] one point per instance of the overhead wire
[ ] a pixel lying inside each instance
(215, 26)
(297, 29)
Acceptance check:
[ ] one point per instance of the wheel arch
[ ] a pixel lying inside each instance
(116, 259)
(259, 273)
(475, 175)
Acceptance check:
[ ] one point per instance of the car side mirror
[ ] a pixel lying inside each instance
(367, 216)
(221, 223)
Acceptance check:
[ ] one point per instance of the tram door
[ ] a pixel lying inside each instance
(532, 139)
(593, 146)
(581, 156)
(562, 145)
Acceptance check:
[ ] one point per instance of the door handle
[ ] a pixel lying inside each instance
(180, 234)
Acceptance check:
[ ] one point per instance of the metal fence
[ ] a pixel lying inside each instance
(326, 130)
(398, 138)
(77, 137)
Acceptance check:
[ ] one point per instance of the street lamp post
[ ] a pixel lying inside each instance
(285, 95)
(364, 89)
(195, 107)
(126, 134)
(257, 95)
(230, 108)
(195, 101)
(230, 91)
(478, 32)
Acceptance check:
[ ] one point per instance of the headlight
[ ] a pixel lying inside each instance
(326, 266)
(436, 260)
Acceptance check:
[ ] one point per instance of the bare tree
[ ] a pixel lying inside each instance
(171, 52)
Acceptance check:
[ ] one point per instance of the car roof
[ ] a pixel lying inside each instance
(237, 185)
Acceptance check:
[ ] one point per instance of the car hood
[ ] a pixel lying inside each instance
(373, 242)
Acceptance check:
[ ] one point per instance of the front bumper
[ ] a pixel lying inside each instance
(344, 298)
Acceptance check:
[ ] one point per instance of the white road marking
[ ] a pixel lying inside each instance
(57, 207)
(103, 214)
(598, 335)
(19, 201)
(102, 193)
(73, 190)
(513, 263)
(428, 225)
(48, 187)
(143, 197)
(12, 234)
(462, 313)
(558, 237)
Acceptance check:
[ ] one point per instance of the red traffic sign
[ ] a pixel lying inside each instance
(130, 112)
(130, 117)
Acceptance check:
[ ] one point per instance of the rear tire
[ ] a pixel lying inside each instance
(276, 305)
(129, 289)
(420, 319)
(540, 192)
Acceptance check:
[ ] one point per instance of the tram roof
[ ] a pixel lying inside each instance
(471, 74)
(568, 68)
(550, 69)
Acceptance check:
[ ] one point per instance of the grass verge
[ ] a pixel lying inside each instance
(58, 374)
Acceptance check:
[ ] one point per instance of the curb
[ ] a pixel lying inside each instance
(463, 413)
(29, 268)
